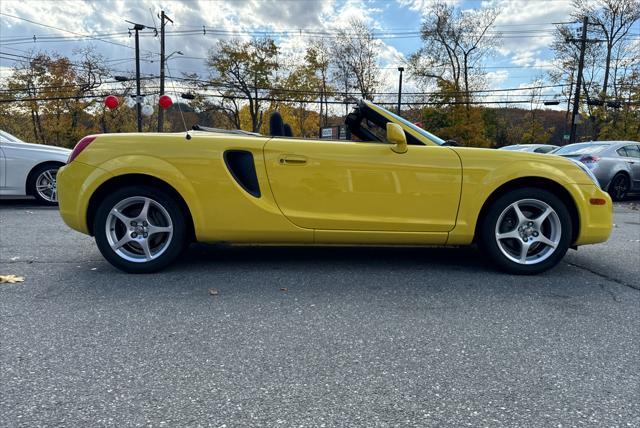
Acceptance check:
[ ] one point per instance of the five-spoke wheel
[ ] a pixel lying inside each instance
(139, 229)
(526, 230)
(528, 238)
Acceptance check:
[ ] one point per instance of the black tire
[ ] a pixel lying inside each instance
(619, 186)
(175, 242)
(34, 177)
(549, 256)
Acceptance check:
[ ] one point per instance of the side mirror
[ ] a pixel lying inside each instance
(395, 135)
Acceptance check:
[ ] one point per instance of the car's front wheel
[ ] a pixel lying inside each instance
(42, 184)
(139, 229)
(526, 231)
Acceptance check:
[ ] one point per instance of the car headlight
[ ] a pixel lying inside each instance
(587, 171)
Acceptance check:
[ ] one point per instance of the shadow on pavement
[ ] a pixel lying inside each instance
(22, 202)
(354, 256)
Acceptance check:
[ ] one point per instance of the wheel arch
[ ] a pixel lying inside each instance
(537, 182)
(619, 171)
(133, 180)
(32, 174)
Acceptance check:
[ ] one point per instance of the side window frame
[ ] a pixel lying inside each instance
(622, 152)
(630, 153)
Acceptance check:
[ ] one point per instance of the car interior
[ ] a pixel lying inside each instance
(364, 124)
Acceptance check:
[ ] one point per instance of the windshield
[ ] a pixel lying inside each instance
(581, 149)
(439, 141)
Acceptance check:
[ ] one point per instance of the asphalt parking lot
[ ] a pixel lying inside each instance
(315, 336)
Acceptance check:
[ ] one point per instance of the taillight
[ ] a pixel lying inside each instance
(590, 161)
(82, 144)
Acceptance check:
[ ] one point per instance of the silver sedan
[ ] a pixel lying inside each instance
(616, 164)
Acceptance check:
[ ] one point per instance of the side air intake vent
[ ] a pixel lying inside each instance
(243, 169)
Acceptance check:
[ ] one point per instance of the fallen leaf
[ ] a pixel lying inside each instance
(213, 291)
(11, 279)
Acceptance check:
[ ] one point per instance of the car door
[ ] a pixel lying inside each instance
(17, 164)
(633, 161)
(364, 186)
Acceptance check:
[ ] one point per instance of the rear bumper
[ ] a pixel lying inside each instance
(596, 221)
(76, 182)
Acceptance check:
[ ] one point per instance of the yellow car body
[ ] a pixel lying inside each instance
(326, 191)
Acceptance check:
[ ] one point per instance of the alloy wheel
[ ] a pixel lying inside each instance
(619, 186)
(139, 229)
(528, 231)
(46, 185)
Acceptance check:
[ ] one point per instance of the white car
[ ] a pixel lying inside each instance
(30, 169)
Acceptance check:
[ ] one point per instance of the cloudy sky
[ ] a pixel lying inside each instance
(62, 26)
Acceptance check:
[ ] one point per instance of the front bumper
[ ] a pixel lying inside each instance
(596, 221)
(76, 182)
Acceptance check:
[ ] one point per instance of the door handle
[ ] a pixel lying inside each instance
(293, 160)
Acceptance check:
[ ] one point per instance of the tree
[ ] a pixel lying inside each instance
(614, 19)
(534, 131)
(55, 91)
(244, 70)
(454, 45)
(566, 51)
(302, 85)
(27, 79)
(318, 57)
(355, 55)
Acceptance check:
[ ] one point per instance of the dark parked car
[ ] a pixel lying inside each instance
(616, 164)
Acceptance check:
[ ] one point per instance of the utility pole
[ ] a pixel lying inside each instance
(137, 28)
(576, 98)
(400, 69)
(163, 17)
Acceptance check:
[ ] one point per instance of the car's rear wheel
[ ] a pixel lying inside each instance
(139, 229)
(526, 231)
(619, 187)
(42, 184)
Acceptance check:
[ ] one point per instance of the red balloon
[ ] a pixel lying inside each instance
(111, 102)
(165, 101)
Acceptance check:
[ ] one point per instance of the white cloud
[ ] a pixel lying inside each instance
(424, 5)
(531, 19)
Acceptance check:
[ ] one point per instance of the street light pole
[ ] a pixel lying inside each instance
(576, 98)
(400, 69)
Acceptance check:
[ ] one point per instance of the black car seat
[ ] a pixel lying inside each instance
(276, 125)
(288, 132)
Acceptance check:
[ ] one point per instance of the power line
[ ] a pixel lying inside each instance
(314, 33)
(71, 32)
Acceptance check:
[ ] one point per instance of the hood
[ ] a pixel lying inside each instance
(48, 149)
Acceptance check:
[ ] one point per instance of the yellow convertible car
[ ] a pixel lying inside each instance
(146, 196)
